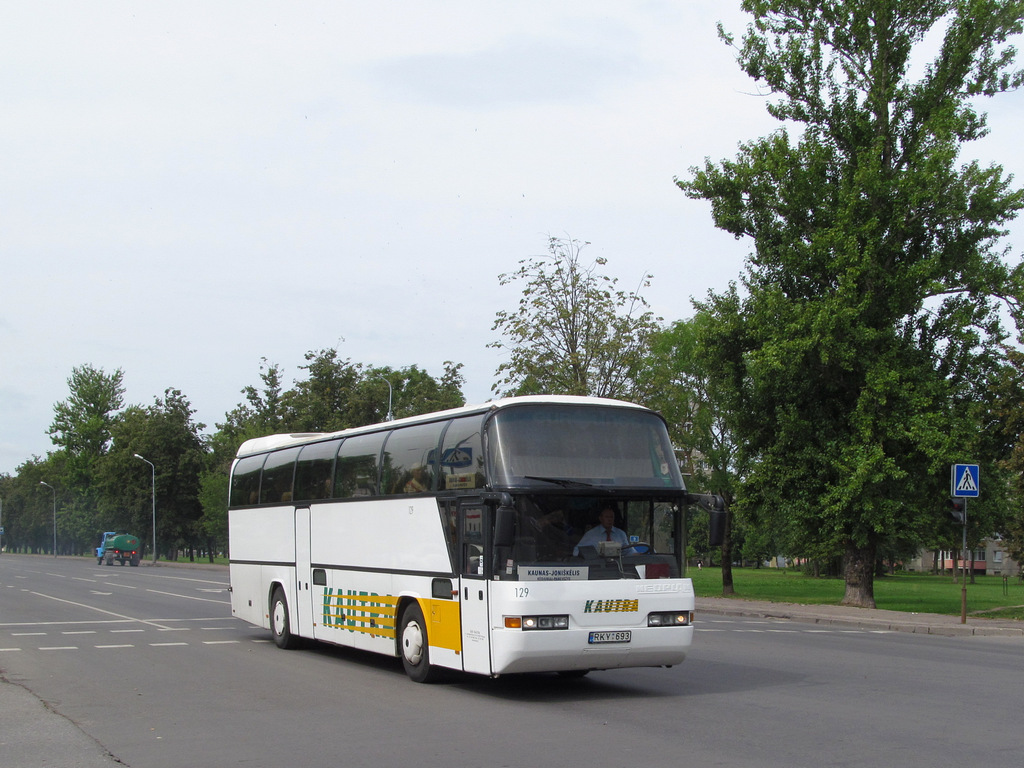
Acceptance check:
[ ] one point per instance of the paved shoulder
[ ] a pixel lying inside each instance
(34, 736)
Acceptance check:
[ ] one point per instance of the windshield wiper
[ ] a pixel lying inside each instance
(564, 482)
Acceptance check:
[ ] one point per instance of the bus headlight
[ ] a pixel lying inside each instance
(526, 623)
(671, 619)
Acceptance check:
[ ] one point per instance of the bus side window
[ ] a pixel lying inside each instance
(245, 481)
(449, 523)
(355, 474)
(278, 473)
(472, 540)
(314, 471)
(410, 459)
(462, 457)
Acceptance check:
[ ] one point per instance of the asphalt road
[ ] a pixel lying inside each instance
(145, 666)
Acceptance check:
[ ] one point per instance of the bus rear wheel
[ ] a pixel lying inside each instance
(280, 626)
(414, 647)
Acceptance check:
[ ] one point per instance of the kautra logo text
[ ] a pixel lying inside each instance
(611, 606)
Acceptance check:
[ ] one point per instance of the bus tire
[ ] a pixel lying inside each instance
(280, 626)
(414, 647)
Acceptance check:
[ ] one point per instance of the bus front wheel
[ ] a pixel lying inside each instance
(280, 627)
(415, 650)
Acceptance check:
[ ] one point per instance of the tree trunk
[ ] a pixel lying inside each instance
(859, 572)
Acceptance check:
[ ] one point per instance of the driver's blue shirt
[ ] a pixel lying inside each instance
(600, 533)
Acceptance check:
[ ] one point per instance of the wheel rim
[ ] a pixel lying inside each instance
(280, 618)
(412, 643)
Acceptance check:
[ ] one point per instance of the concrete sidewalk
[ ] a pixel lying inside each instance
(862, 618)
(34, 736)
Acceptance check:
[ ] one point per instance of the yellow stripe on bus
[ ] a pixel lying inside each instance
(359, 612)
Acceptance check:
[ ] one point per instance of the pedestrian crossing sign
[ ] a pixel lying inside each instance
(965, 481)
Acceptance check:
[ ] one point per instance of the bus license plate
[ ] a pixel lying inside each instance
(622, 636)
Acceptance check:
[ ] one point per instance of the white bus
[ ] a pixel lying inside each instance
(451, 540)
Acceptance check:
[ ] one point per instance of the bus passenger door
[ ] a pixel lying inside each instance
(303, 574)
(473, 586)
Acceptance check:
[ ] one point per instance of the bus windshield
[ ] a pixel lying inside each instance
(564, 536)
(575, 446)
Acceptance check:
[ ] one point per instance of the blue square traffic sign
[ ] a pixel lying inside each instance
(966, 483)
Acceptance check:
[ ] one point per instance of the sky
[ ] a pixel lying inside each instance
(188, 188)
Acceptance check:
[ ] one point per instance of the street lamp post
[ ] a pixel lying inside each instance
(54, 515)
(391, 397)
(153, 476)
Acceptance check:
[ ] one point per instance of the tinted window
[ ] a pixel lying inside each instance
(278, 472)
(355, 473)
(314, 472)
(410, 459)
(245, 481)
(548, 444)
(462, 456)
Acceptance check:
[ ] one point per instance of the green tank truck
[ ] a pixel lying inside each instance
(119, 546)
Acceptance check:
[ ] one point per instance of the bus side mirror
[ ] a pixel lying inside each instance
(716, 535)
(505, 522)
(715, 505)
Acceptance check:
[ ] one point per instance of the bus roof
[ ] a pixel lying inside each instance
(272, 442)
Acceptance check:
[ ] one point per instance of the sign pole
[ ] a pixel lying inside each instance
(963, 587)
(965, 480)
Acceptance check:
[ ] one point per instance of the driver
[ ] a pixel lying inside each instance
(605, 530)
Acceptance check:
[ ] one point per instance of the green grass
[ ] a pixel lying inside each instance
(919, 593)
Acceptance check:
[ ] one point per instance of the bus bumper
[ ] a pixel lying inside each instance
(516, 651)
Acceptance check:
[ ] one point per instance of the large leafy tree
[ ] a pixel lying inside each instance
(263, 411)
(82, 431)
(683, 389)
(321, 402)
(338, 394)
(82, 423)
(28, 506)
(574, 332)
(870, 318)
(413, 391)
(167, 435)
(1008, 425)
